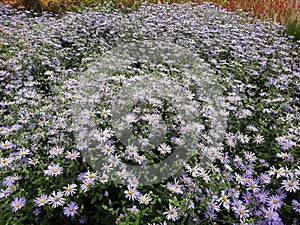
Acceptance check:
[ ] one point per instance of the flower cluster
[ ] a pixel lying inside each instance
(252, 175)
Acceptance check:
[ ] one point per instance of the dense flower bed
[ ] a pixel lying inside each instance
(254, 175)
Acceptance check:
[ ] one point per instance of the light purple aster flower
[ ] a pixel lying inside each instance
(57, 199)
(296, 205)
(172, 213)
(274, 202)
(42, 200)
(17, 203)
(53, 170)
(71, 209)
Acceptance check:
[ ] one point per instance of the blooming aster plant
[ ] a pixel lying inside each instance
(45, 178)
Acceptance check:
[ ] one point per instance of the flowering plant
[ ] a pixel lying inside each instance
(48, 175)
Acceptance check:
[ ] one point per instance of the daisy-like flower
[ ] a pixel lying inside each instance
(53, 170)
(172, 213)
(242, 212)
(214, 206)
(259, 139)
(123, 174)
(290, 185)
(130, 118)
(164, 148)
(285, 172)
(224, 200)
(250, 156)
(4, 193)
(195, 171)
(275, 172)
(145, 199)
(17, 203)
(296, 205)
(114, 160)
(284, 156)
(55, 151)
(107, 168)
(91, 175)
(274, 202)
(57, 199)
(71, 155)
(42, 200)
(103, 179)
(22, 153)
(133, 181)
(103, 135)
(262, 195)
(71, 209)
(253, 186)
(132, 193)
(6, 145)
(265, 178)
(70, 189)
(271, 216)
(140, 159)
(210, 214)
(134, 210)
(131, 150)
(108, 149)
(86, 184)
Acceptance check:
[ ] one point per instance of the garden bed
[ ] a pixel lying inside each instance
(91, 100)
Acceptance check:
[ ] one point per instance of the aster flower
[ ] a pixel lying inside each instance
(290, 185)
(56, 199)
(296, 205)
(131, 150)
(265, 178)
(145, 199)
(70, 189)
(214, 206)
(70, 209)
(195, 171)
(164, 149)
(259, 139)
(53, 170)
(55, 151)
(275, 172)
(224, 200)
(72, 155)
(4, 193)
(210, 214)
(41, 200)
(17, 203)
(132, 193)
(274, 202)
(108, 149)
(253, 186)
(250, 156)
(271, 216)
(114, 160)
(103, 179)
(242, 212)
(87, 183)
(172, 213)
(134, 210)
